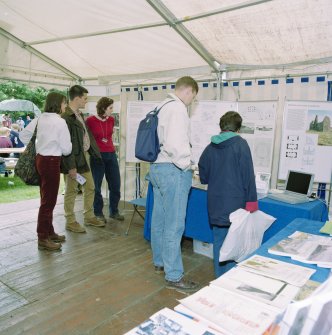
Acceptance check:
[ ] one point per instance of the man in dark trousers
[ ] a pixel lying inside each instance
(226, 166)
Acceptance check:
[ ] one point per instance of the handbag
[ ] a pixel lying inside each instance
(26, 165)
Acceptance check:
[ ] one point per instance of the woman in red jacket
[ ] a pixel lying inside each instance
(101, 126)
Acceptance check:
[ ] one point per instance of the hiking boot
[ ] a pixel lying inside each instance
(47, 244)
(158, 269)
(182, 285)
(101, 218)
(94, 222)
(57, 238)
(75, 227)
(117, 216)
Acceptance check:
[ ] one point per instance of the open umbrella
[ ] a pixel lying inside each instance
(19, 105)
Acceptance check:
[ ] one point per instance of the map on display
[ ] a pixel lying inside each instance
(307, 139)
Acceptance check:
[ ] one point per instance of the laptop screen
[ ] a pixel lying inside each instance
(299, 182)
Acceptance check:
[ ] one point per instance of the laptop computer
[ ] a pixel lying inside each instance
(298, 188)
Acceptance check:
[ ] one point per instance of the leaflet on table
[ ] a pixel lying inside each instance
(167, 321)
(290, 273)
(80, 179)
(230, 312)
(327, 228)
(273, 292)
(306, 248)
(299, 244)
(307, 290)
(321, 255)
(199, 318)
(310, 316)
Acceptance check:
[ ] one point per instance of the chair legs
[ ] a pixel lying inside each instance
(132, 218)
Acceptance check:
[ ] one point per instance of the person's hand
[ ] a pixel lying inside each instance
(251, 206)
(72, 173)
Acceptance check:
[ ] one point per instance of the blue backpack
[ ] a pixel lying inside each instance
(147, 145)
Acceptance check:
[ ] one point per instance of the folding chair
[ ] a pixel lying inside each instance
(138, 202)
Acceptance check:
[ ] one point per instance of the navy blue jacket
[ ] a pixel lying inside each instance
(228, 170)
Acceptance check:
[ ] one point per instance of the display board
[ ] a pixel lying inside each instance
(307, 139)
(258, 127)
(136, 111)
(204, 123)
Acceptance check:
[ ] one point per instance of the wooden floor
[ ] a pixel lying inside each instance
(101, 282)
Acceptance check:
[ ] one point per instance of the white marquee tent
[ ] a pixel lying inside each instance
(104, 41)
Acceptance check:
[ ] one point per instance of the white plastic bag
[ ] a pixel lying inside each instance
(245, 234)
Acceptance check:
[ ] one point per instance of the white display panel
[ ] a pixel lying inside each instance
(136, 111)
(204, 123)
(307, 139)
(258, 127)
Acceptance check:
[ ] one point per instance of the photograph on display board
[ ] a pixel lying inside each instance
(307, 139)
(320, 124)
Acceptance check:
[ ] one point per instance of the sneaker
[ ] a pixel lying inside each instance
(47, 244)
(75, 227)
(158, 269)
(182, 285)
(101, 218)
(94, 222)
(57, 238)
(117, 216)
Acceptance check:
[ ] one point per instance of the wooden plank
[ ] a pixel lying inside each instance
(102, 282)
(10, 300)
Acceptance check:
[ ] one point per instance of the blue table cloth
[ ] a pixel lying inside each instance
(307, 226)
(197, 220)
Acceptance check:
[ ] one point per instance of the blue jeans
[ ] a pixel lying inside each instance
(171, 188)
(219, 235)
(109, 168)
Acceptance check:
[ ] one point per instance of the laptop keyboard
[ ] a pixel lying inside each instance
(289, 198)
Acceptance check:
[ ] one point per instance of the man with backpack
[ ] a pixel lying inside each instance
(171, 177)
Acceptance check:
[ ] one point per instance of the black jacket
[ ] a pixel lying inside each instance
(228, 170)
(77, 159)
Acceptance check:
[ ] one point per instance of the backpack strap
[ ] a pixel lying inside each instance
(156, 110)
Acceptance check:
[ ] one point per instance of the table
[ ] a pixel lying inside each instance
(197, 221)
(305, 225)
(11, 150)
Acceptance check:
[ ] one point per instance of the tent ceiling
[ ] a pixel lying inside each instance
(113, 38)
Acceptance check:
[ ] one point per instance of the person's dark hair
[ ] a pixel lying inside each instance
(102, 104)
(53, 102)
(76, 91)
(185, 82)
(231, 121)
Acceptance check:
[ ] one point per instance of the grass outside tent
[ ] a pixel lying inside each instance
(13, 189)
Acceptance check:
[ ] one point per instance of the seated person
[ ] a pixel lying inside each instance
(5, 142)
(14, 137)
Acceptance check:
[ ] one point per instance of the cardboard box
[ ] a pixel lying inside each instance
(203, 248)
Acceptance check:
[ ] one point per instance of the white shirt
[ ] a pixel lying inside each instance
(21, 124)
(53, 137)
(174, 133)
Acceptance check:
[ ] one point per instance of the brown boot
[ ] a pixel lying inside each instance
(57, 238)
(47, 244)
(94, 222)
(75, 227)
